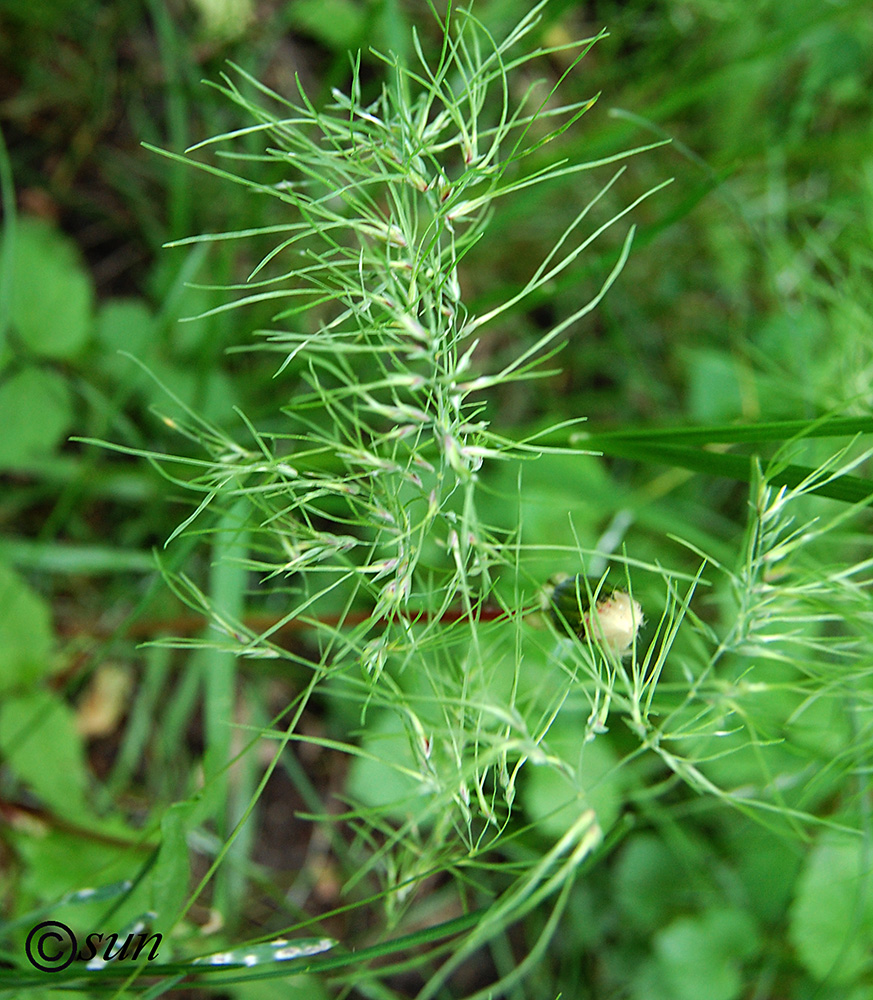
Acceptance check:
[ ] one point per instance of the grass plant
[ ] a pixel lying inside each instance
(480, 795)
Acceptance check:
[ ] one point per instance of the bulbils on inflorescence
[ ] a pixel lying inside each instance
(614, 621)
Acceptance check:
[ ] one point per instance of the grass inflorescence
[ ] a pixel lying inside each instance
(477, 722)
(517, 691)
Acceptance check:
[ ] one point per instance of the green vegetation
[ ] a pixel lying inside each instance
(332, 418)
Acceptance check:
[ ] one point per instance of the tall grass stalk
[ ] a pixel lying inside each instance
(364, 511)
